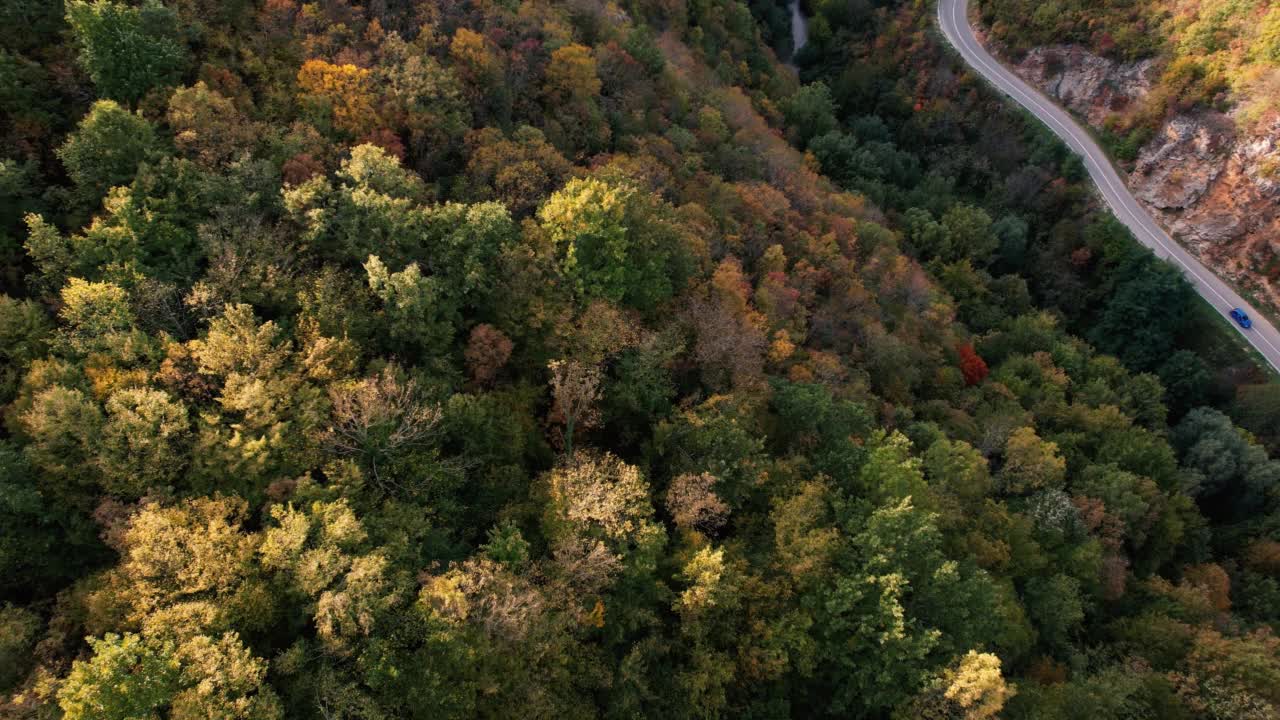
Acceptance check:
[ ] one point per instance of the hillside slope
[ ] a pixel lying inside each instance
(1195, 120)
(574, 360)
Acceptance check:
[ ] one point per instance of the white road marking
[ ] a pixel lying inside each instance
(1120, 200)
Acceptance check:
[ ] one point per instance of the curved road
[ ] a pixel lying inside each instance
(954, 21)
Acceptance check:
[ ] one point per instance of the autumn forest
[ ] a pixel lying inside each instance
(378, 359)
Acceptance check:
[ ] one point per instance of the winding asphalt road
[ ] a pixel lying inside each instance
(953, 18)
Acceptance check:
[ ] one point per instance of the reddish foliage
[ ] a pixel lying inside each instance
(1104, 42)
(113, 517)
(1106, 527)
(1213, 581)
(277, 16)
(972, 366)
(179, 373)
(1115, 573)
(1081, 257)
(282, 489)
(487, 352)
(1046, 671)
(730, 333)
(1264, 556)
(387, 140)
(301, 168)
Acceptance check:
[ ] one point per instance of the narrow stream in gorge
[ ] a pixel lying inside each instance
(799, 29)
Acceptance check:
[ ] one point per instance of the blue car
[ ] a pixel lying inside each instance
(1241, 317)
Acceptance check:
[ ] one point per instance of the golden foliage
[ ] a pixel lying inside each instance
(345, 90)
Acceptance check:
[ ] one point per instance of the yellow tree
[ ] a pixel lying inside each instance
(344, 91)
(188, 568)
(319, 549)
(971, 689)
(572, 75)
(571, 88)
(601, 497)
(479, 67)
(1031, 463)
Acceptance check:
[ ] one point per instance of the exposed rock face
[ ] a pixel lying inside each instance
(1176, 169)
(1216, 189)
(1213, 188)
(1091, 86)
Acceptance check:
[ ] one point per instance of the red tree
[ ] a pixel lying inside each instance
(974, 367)
(487, 352)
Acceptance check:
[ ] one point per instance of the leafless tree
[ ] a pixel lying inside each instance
(694, 505)
(576, 387)
(585, 565)
(485, 593)
(379, 418)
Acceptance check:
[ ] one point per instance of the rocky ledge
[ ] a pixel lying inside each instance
(1091, 86)
(1215, 187)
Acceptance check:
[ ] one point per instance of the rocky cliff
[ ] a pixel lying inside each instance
(1214, 185)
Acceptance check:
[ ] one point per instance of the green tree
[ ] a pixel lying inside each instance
(586, 219)
(133, 677)
(897, 598)
(1187, 379)
(520, 170)
(463, 244)
(106, 148)
(208, 126)
(970, 234)
(95, 316)
(810, 112)
(571, 87)
(63, 427)
(18, 634)
(1233, 473)
(269, 409)
(960, 475)
(1055, 605)
(374, 208)
(811, 419)
(1133, 499)
(415, 315)
(638, 392)
(616, 242)
(45, 537)
(891, 474)
(324, 552)
(24, 337)
(1258, 408)
(423, 97)
(127, 50)
(128, 678)
(1012, 232)
(1143, 315)
(718, 438)
(929, 238)
(379, 421)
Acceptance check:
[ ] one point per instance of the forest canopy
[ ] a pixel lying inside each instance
(581, 359)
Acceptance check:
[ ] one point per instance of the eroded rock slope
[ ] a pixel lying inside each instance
(1213, 182)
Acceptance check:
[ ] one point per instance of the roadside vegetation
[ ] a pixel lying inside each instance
(575, 360)
(1210, 53)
